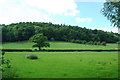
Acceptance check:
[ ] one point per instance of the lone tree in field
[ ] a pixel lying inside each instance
(111, 10)
(40, 41)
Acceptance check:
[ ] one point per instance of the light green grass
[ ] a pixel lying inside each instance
(65, 64)
(57, 45)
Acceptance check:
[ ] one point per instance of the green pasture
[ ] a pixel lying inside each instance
(57, 45)
(63, 64)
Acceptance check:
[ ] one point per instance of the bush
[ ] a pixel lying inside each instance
(90, 42)
(6, 69)
(84, 42)
(95, 43)
(80, 41)
(98, 43)
(9, 73)
(103, 43)
(72, 40)
(32, 56)
(77, 41)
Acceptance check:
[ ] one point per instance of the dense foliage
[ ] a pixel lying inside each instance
(111, 10)
(58, 32)
(90, 42)
(5, 67)
(40, 41)
(32, 56)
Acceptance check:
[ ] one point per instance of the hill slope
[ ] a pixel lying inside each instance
(24, 30)
(58, 45)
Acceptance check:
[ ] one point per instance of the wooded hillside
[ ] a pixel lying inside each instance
(58, 32)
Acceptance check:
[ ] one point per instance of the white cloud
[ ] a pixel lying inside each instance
(96, 0)
(104, 29)
(73, 13)
(35, 10)
(20, 14)
(78, 19)
(113, 29)
(54, 6)
(90, 0)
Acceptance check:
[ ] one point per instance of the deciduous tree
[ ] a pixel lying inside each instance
(111, 10)
(40, 41)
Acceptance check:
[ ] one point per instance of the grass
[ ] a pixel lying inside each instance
(57, 45)
(65, 64)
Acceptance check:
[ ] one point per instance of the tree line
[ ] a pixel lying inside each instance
(58, 32)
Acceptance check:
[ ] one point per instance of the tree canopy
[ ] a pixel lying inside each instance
(57, 32)
(40, 41)
(111, 10)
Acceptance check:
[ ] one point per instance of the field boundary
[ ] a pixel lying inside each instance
(29, 50)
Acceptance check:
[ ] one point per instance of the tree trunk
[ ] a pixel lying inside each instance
(39, 48)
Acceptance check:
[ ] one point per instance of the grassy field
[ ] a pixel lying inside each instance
(65, 64)
(57, 45)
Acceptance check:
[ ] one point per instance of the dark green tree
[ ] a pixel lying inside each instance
(111, 10)
(103, 43)
(24, 30)
(40, 41)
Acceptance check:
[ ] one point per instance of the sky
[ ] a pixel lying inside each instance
(82, 13)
